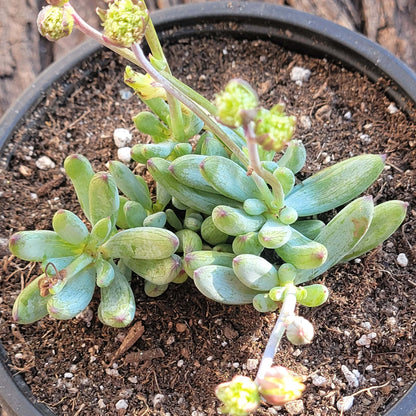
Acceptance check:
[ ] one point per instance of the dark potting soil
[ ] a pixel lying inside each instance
(187, 344)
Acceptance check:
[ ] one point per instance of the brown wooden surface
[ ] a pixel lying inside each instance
(24, 54)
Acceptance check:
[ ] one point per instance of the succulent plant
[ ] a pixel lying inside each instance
(230, 212)
(74, 261)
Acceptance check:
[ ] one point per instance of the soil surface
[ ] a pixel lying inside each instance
(190, 344)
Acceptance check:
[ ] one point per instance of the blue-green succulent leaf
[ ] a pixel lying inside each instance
(117, 306)
(255, 272)
(185, 170)
(335, 185)
(341, 235)
(193, 198)
(159, 272)
(74, 296)
(141, 243)
(386, 219)
(220, 284)
(80, 171)
(228, 178)
(132, 186)
(70, 227)
(41, 245)
(235, 221)
(30, 306)
(197, 259)
(104, 198)
(294, 157)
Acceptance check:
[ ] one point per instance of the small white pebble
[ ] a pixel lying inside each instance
(351, 378)
(68, 375)
(180, 363)
(319, 381)
(402, 260)
(300, 74)
(345, 403)
(158, 399)
(124, 154)
(366, 325)
(101, 404)
(93, 358)
(122, 404)
(45, 163)
(392, 108)
(391, 322)
(297, 352)
(348, 115)
(125, 94)
(225, 51)
(364, 341)
(305, 122)
(122, 137)
(369, 368)
(210, 358)
(236, 365)
(224, 344)
(33, 196)
(365, 138)
(113, 372)
(132, 379)
(252, 364)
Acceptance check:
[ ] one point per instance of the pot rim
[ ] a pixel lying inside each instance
(288, 27)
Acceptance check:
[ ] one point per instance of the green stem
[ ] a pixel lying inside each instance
(195, 108)
(89, 31)
(255, 164)
(287, 310)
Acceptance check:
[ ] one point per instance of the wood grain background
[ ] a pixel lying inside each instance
(23, 53)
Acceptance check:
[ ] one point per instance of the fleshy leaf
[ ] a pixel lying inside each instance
(141, 243)
(335, 185)
(104, 198)
(228, 178)
(132, 186)
(159, 272)
(117, 306)
(341, 235)
(255, 272)
(30, 306)
(74, 296)
(40, 245)
(70, 227)
(386, 219)
(80, 171)
(220, 284)
(193, 198)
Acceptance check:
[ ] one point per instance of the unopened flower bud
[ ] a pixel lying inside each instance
(55, 22)
(125, 22)
(300, 331)
(231, 103)
(240, 396)
(143, 84)
(278, 386)
(274, 128)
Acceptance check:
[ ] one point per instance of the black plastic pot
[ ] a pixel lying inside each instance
(292, 29)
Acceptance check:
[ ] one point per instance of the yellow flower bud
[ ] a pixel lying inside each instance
(239, 396)
(125, 22)
(55, 22)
